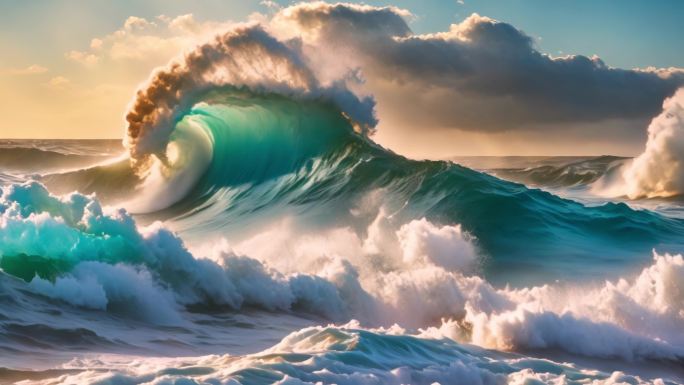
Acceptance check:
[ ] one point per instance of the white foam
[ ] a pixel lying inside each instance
(335, 274)
(659, 170)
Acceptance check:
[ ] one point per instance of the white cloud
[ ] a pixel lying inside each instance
(270, 4)
(30, 70)
(59, 81)
(152, 41)
(96, 44)
(81, 57)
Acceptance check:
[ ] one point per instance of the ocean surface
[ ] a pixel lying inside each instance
(247, 229)
(276, 251)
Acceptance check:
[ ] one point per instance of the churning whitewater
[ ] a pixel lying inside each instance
(251, 232)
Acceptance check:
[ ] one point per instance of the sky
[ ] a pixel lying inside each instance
(71, 68)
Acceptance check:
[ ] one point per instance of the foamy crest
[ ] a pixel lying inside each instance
(632, 318)
(79, 253)
(245, 56)
(447, 246)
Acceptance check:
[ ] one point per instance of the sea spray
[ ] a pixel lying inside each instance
(659, 170)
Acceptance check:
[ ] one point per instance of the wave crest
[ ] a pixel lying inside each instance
(659, 171)
(246, 56)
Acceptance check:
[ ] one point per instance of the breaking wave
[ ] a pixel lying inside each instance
(239, 160)
(659, 170)
(568, 174)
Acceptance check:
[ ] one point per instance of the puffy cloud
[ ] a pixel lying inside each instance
(481, 75)
(270, 4)
(155, 40)
(82, 57)
(59, 81)
(30, 70)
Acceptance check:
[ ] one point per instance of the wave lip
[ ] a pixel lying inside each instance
(246, 56)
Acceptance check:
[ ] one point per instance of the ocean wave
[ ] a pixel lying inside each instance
(658, 171)
(69, 249)
(114, 181)
(246, 56)
(240, 133)
(239, 160)
(580, 173)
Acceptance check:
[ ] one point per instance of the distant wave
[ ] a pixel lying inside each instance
(568, 174)
(33, 160)
(113, 181)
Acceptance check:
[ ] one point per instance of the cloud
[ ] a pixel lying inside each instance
(81, 57)
(33, 69)
(156, 40)
(481, 75)
(270, 4)
(59, 81)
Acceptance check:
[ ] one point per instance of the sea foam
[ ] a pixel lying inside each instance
(70, 248)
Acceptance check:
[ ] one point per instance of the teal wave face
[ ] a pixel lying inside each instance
(258, 138)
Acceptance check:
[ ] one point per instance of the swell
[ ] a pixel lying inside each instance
(28, 160)
(112, 182)
(580, 173)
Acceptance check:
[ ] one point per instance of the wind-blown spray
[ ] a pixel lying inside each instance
(659, 170)
(246, 56)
